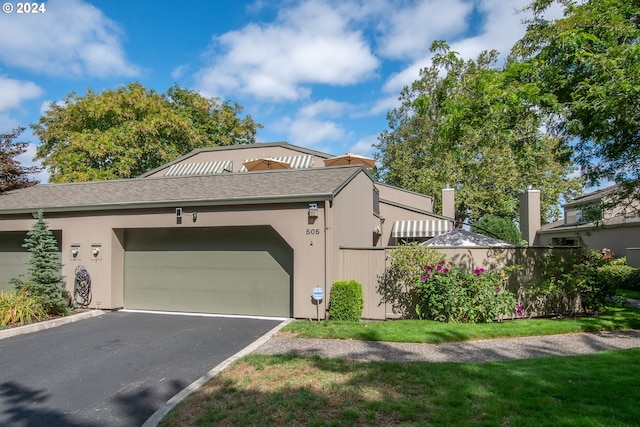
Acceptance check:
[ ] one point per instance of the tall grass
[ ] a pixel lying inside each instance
(20, 307)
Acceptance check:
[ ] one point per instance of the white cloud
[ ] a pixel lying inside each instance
(408, 32)
(325, 107)
(500, 28)
(310, 43)
(71, 38)
(364, 146)
(312, 125)
(14, 92)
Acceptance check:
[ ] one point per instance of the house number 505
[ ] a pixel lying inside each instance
(311, 231)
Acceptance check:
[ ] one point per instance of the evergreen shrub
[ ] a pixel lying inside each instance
(346, 301)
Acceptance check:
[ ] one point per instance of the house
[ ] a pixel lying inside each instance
(590, 221)
(237, 230)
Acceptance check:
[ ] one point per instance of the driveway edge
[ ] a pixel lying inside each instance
(157, 416)
(40, 326)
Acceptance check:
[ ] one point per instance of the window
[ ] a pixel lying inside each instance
(583, 214)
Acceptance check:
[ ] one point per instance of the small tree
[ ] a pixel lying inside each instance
(497, 227)
(14, 175)
(44, 278)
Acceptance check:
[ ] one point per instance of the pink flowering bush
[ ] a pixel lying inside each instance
(448, 294)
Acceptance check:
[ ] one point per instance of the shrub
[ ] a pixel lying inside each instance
(587, 283)
(346, 301)
(497, 227)
(447, 294)
(19, 307)
(633, 280)
(405, 268)
(615, 275)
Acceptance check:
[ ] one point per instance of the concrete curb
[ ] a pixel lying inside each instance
(40, 326)
(157, 416)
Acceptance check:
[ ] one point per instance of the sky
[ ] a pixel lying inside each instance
(318, 74)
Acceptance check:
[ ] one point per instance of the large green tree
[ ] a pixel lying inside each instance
(470, 125)
(589, 60)
(125, 132)
(13, 174)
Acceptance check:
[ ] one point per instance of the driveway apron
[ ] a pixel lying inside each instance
(115, 369)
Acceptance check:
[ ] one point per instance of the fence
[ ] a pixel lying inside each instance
(366, 265)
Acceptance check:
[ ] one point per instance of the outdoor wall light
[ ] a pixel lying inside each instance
(75, 251)
(95, 251)
(313, 210)
(195, 216)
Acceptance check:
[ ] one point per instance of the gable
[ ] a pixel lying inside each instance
(231, 158)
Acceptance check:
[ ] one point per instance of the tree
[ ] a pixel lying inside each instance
(590, 62)
(501, 228)
(44, 274)
(470, 125)
(125, 132)
(13, 175)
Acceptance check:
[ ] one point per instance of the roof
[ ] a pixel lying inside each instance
(461, 238)
(616, 221)
(594, 196)
(275, 186)
(238, 147)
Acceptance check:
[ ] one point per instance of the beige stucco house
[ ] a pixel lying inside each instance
(590, 221)
(204, 234)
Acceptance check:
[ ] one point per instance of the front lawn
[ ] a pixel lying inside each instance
(425, 331)
(594, 390)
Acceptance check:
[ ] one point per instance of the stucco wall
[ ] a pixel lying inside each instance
(617, 238)
(105, 229)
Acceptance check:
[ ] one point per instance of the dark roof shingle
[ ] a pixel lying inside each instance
(252, 187)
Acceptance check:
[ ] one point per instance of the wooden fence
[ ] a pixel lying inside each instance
(366, 265)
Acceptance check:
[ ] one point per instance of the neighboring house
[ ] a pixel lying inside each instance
(589, 221)
(205, 234)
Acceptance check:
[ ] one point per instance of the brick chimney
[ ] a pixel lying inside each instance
(449, 203)
(530, 215)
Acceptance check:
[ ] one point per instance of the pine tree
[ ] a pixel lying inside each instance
(44, 278)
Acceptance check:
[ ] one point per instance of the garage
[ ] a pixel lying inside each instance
(222, 270)
(14, 258)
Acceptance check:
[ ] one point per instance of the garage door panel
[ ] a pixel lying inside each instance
(14, 259)
(209, 280)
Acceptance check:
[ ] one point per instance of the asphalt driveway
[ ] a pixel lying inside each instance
(115, 369)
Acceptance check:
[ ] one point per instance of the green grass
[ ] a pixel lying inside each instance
(600, 389)
(421, 331)
(628, 293)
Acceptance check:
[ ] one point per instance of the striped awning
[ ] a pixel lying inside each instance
(202, 168)
(420, 228)
(296, 162)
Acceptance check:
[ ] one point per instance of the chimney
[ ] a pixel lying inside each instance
(530, 215)
(449, 203)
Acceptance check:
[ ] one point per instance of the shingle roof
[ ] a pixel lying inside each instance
(232, 188)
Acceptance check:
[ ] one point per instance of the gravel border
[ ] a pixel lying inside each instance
(462, 352)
